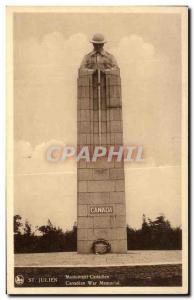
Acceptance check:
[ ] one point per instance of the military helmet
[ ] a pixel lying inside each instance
(98, 38)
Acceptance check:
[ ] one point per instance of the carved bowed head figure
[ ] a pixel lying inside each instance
(98, 42)
(99, 58)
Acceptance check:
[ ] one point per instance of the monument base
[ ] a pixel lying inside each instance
(85, 247)
(136, 268)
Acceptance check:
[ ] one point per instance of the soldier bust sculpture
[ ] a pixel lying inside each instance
(98, 58)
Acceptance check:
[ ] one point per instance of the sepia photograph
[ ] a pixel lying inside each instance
(97, 150)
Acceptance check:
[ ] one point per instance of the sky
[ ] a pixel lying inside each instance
(48, 49)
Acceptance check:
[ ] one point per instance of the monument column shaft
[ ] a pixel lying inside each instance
(99, 107)
(100, 185)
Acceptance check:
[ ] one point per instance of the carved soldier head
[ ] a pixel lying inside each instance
(98, 41)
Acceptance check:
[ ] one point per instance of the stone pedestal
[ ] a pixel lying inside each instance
(101, 207)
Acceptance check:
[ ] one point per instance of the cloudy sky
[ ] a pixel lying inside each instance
(48, 49)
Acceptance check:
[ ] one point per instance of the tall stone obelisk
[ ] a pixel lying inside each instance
(101, 211)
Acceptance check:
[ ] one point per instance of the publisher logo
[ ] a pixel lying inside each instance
(19, 279)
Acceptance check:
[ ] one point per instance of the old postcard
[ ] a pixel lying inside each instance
(97, 143)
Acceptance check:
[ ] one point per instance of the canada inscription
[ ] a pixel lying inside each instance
(101, 210)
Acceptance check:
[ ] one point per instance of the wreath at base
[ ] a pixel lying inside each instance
(101, 246)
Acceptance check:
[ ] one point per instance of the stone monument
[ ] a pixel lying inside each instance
(101, 211)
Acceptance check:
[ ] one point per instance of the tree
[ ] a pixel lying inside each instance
(145, 225)
(27, 229)
(161, 223)
(17, 224)
(49, 229)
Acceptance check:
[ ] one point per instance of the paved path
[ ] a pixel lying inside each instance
(72, 259)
